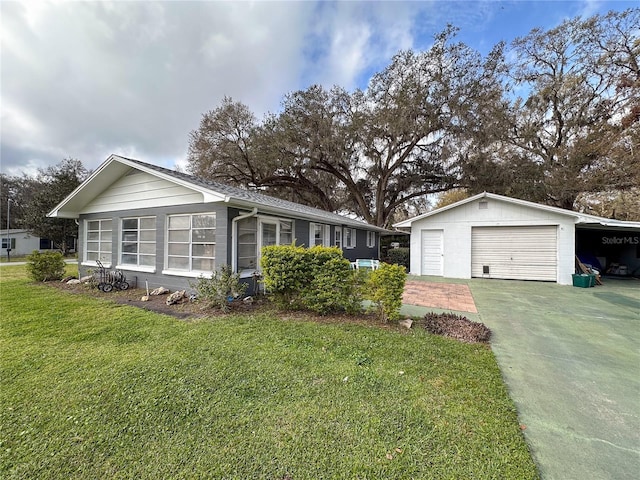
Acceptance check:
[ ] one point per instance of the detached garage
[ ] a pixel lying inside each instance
(492, 236)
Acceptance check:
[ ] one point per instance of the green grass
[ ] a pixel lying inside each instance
(90, 389)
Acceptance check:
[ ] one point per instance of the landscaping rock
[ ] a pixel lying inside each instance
(160, 291)
(176, 297)
(86, 279)
(406, 323)
(74, 281)
(67, 278)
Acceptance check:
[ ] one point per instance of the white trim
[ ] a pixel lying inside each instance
(135, 268)
(579, 218)
(190, 243)
(89, 263)
(371, 235)
(353, 238)
(192, 274)
(326, 234)
(139, 229)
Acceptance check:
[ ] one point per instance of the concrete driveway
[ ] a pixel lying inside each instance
(571, 360)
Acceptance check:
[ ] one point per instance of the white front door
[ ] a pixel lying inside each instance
(432, 252)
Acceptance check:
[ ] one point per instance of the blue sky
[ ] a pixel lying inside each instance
(87, 79)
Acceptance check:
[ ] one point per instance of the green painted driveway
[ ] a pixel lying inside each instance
(571, 360)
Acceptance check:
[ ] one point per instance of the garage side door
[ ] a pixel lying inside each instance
(432, 252)
(518, 253)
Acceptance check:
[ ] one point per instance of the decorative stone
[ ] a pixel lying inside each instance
(74, 281)
(406, 323)
(176, 297)
(86, 279)
(145, 298)
(160, 291)
(67, 278)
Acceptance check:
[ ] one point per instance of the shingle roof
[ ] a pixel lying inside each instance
(258, 199)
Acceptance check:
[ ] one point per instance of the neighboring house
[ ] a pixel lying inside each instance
(492, 236)
(169, 228)
(23, 243)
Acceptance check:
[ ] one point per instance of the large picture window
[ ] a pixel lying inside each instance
(97, 237)
(191, 242)
(138, 242)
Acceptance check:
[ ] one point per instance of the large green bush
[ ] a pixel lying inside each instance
(384, 287)
(286, 271)
(318, 279)
(43, 267)
(399, 256)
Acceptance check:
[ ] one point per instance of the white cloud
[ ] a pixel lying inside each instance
(86, 79)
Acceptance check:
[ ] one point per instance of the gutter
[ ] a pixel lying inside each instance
(234, 235)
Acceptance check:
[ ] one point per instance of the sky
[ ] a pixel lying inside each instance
(87, 79)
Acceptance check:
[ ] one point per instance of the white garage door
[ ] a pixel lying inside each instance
(432, 252)
(518, 253)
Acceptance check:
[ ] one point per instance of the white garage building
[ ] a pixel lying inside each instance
(492, 236)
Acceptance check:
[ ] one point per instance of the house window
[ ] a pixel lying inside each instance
(191, 242)
(46, 244)
(8, 241)
(371, 239)
(349, 237)
(319, 234)
(285, 236)
(98, 241)
(138, 242)
(337, 237)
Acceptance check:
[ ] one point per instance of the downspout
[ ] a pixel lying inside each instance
(234, 235)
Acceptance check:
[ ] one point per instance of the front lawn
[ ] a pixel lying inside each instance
(91, 389)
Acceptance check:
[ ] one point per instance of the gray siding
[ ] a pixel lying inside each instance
(157, 279)
(224, 221)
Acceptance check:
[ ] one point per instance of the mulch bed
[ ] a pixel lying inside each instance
(449, 325)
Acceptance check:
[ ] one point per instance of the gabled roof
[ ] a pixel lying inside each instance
(579, 218)
(116, 167)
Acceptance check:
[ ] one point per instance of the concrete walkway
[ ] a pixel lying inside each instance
(571, 360)
(70, 261)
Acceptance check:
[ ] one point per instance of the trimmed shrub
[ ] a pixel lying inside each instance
(384, 287)
(333, 286)
(43, 267)
(318, 279)
(457, 326)
(286, 271)
(220, 289)
(399, 256)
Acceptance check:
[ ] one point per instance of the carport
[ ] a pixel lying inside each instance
(611, 249)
